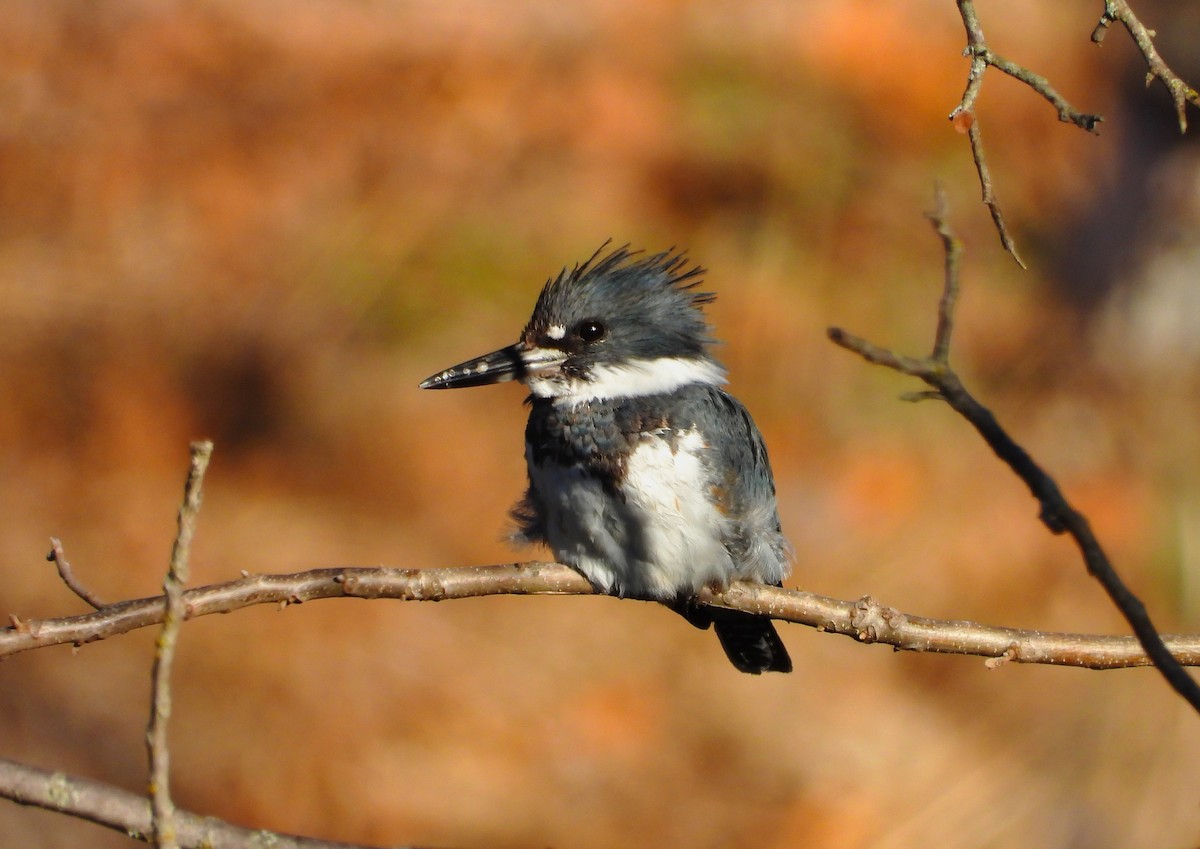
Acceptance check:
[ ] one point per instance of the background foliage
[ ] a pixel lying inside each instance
(265, 223)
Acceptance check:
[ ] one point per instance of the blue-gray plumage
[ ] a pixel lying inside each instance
(643, 473)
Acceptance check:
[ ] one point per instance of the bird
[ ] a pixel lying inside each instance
(644, 474)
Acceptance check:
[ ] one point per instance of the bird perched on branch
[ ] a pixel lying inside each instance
(644, 475)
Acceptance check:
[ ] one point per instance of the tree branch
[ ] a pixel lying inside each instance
(1181, 93)
(965, 119)
(864, 620)
(59, 558)
(1067, 113)
(1057, 513)
(159, 753)
(130, 813)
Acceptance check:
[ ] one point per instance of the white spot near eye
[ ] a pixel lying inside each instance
(556, 331)
(481, 368)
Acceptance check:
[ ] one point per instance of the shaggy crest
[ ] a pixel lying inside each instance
(649, 288)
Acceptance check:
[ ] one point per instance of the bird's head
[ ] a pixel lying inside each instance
(614, 326)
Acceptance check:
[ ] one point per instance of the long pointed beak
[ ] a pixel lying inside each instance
(496, 367)
(516, 362)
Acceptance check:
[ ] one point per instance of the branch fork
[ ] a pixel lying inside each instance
(1056, 512)
(965, 120)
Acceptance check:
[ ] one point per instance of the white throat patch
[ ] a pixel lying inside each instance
(628, 379)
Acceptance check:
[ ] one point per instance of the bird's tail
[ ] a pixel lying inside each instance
(751, 642)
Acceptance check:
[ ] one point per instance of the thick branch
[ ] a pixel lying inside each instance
(864, 620)
(130, 813)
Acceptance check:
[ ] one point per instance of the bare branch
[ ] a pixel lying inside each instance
(953, 248)
(164, 652)
(130, 813)
(1057, 513)
(976, 44)
(975, 136)
(858, 619)
(1067, 113)
(966, 120)
(1181, 93)
(59, 559)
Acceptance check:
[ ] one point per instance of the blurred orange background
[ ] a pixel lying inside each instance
(263, 223)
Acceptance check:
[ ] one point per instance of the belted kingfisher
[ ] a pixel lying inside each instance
(644, 475)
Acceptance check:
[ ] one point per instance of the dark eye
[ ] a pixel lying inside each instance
(591, 330)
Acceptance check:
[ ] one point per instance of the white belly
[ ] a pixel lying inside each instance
(663, 539)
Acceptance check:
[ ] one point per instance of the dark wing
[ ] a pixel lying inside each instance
(745, 490)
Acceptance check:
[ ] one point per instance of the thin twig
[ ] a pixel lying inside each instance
(975, 137)
(1067, 113)
(163, 809)
(59, 559)
(1057, 513)
(130, 814)
(965, 120)
(952, 247)
(850, 618)
(1181, 93)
